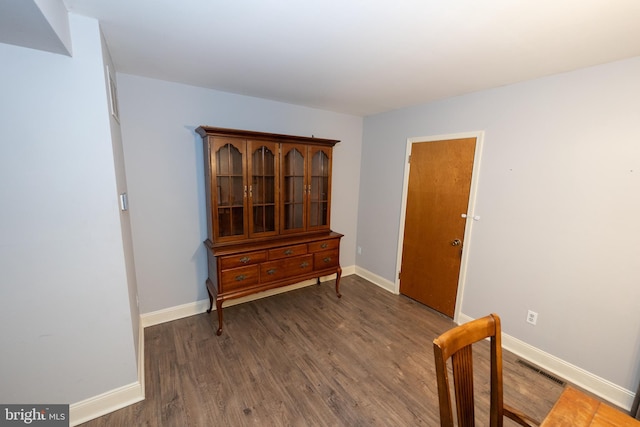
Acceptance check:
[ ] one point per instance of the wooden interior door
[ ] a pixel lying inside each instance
(437, 196)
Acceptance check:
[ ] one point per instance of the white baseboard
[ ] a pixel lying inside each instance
(376, 280)
(346, 271)
(141, 376)
(104, 403)
(96, 406)
(174, 313)
(571, 373)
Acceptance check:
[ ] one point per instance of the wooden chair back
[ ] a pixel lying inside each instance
(456, 344)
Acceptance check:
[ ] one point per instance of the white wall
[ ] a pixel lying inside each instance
(559, 202)
(165, 176)
(121, 188)
(65, 318)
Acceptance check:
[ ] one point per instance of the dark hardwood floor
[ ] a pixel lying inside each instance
(307, 358)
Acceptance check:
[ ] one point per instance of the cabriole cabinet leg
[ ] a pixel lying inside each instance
(219, 310)
(210, 303)
(338, 274)
(212, 291)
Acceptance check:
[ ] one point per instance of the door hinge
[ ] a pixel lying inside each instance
(409, 159)
(399, 275)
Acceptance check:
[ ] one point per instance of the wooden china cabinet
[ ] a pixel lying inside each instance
(268, 208)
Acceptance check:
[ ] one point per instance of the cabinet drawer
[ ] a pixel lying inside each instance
(327, 259)
(238, 278)
(324, 245)
(287, 251)
(239, 260)
(290, 267)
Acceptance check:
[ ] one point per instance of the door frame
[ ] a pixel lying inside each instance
(472, 215)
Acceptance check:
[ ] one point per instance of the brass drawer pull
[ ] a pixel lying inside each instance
(245, 259)
(305, 264)
(324, 245)
(271, 271)
(327, 259)
(288, 252)
(240, 278)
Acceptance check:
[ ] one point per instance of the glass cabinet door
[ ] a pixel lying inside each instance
(293, 187)
(263, 187)
(319, 187)
(230, 188)
(263, 192)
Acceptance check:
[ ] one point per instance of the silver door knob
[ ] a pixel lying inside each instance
(456, 242)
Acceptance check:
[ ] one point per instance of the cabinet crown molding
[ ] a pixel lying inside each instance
(255, 135)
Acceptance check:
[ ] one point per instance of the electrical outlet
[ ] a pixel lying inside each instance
(532, 317)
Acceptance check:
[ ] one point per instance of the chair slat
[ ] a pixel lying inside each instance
(462, 363)
(456, 344)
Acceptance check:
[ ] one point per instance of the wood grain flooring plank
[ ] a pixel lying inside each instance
(307, 358)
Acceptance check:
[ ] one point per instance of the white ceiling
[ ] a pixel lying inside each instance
(361, 56)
